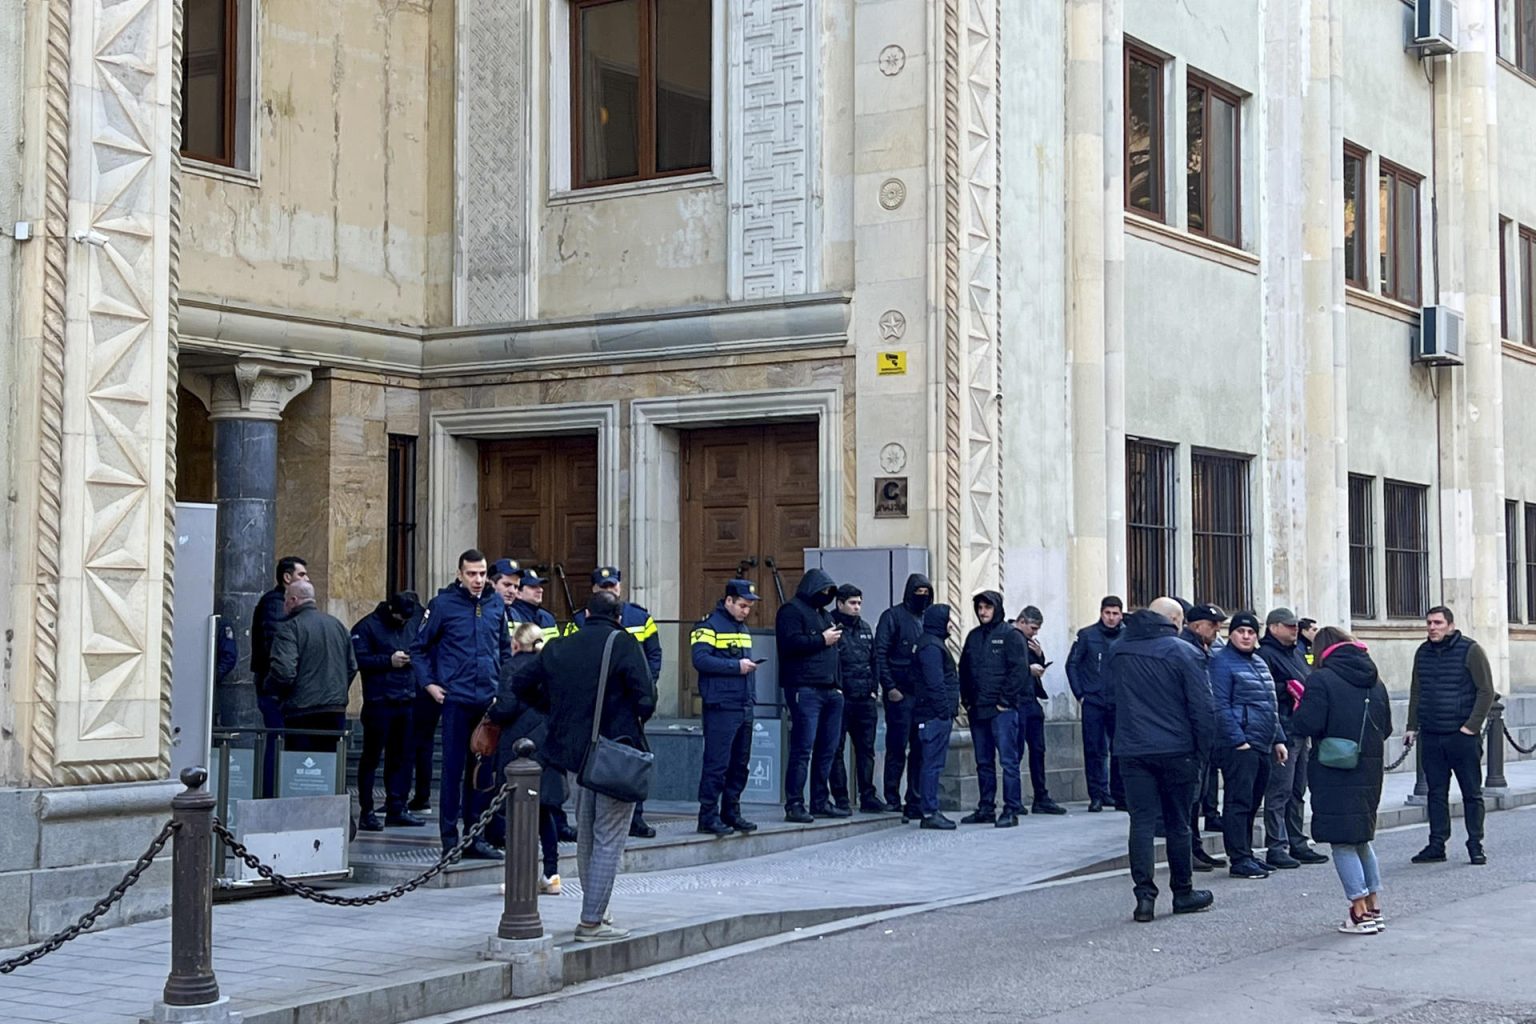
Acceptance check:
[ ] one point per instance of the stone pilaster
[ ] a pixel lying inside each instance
(1114, 297)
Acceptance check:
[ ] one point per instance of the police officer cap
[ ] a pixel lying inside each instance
(606, 576)
(1206, 613)
(744, 589)
(531, 579)
(506, 567)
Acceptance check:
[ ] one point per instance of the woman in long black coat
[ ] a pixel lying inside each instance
(520, 721)
(1345, 699)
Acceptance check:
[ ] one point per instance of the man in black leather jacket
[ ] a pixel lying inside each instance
(861, 703)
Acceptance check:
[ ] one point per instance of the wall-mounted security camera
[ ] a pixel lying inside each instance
(90, 237)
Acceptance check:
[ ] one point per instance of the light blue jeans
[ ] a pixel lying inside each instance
(1357, 868)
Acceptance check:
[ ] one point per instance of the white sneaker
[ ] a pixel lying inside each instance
(549, 885)
(599, 933)
(1358, 926)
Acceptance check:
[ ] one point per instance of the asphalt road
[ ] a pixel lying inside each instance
(1457, 950)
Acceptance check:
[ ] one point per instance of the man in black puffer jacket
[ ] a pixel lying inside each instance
(382, 643)
(994, 677)
(861, 703)
(1284, 799)
(896, 638)
(1164, 724)
(807, 641)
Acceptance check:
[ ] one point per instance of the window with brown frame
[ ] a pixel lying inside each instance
(1407, 549)
(1150, 526)
(400, 570)
(1512, 558)
(1525, 36)
(1527, 250)
(1506, 296)
(1398, 231)
(641, 89)
(1362, 547)
(208, 85)
(1144, 133)
(1222, 535)
(1356, 269)
(1530, 559)
(1214, 161)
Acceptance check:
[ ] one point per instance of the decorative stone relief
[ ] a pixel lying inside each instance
(893, 59)
(772, 182)
(973, 492)
(250, 389)
(493, 158)
(111, 702)
(893, 192)
(893, 325)
(893, 458)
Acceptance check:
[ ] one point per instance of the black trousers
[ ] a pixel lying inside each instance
(1165, 787)
(903, 752)
(331, 721)
(727, 760)
(1210, 792)
(1032, 734)
(460, 796)
(1247, 775)
(386, 733)
(860, 720)
(424, 717)
(1445, 754)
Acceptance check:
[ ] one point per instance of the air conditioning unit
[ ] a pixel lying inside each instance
(1438, 340)
(1434, 27)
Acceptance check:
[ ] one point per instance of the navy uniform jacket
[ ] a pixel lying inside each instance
(637, 622)
(719, 643)
(520, 611)
(461, 644)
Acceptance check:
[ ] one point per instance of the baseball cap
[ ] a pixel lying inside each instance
(1206, 613)
(606, 576)
(1281, 617)
(743, 589)
(532, 579)
(1242, 619)
(506, 567)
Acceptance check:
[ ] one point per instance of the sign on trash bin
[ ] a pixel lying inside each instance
(306, 773)
(765, 766)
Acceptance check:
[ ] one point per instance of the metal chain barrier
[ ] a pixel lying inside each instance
(103, 905)
(1401, 758)
(1524, 750)
(309, 892)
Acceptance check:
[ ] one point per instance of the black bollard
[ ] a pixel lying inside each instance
(520, 912)
(1496, 778)
(192, 981)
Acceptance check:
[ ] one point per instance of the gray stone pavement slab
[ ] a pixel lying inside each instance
(283, 949)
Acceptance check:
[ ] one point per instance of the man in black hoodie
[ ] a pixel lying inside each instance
(382, 643)
(994, 676)
(935, 699)
(1164, 727)
(807, 641)
(861, 703)
(896, 637)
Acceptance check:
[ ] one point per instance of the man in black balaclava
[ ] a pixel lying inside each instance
(896, 638)
(807, 640)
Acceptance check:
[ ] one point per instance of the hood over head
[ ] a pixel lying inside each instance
(1351, 663)
(909, 596)
(936, 620)
(816, 588)
(1146, 623)
(994, 599)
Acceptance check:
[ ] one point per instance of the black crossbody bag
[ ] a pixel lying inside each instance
(611, 767)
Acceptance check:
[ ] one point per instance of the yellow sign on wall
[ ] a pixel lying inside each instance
(891, 364)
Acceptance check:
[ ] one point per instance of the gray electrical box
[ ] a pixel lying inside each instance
(193, 633)
(881, 573)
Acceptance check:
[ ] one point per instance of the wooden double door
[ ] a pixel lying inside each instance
(751, 493)
(538, 504)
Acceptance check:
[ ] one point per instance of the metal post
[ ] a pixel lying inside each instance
(192, 981)
(520, 914)
(1420, 795)
(1496, 778)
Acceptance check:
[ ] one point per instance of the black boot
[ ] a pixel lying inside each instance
(714, 827)
(1146, 908)
(404, 819)
(370, 823)
(1193, 901)
(980, 816)
(938, 821)
(1046, 805)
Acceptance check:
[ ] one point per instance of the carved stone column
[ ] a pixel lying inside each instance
(245, 403)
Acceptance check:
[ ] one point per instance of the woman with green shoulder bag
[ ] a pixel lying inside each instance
(1347, 712)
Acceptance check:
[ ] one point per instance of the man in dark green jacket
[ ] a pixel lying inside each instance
(311, 669)
(1448, 700)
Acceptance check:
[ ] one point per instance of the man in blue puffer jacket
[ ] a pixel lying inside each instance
(457, 655)
(1249, 734)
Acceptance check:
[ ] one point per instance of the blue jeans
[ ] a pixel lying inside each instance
(1098, 744)
(815, 726)
(998, 739)
(933, 736)
(1357, 868)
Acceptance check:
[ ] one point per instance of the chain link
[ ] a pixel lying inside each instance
(309, 892)
(116, 893)
(1400, 759)
(1524, 750)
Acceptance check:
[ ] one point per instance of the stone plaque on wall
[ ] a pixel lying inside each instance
(890, 497)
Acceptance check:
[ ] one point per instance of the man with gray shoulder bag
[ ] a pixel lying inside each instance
(597, 691)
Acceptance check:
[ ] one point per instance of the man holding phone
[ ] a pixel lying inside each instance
(721, 650)
(1032, 713)
(807, 640)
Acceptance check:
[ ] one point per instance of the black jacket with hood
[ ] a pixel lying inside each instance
(1341, 691)
(805, 660)
(936, 693)
(994, 664)
(375, 639)
(1162, 700)
(856, 657)
(896, 636)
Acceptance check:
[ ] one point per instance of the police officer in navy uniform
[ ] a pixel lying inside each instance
(637, 622)
(529, 606)
(722, 656)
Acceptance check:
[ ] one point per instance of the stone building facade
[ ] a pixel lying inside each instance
(1112, 289)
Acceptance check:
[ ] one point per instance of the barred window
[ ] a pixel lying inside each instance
(1362, 548)
(1530, 556)
(1512, 558)
(1150, 525)
(1407, 549)
(401, 568)
(1219, 489)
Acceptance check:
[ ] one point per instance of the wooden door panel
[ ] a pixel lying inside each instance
(796, 473)
(728, 473)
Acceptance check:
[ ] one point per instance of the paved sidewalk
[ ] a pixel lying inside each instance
(275, 952)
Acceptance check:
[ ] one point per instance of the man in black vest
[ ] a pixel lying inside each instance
(1449, 697)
